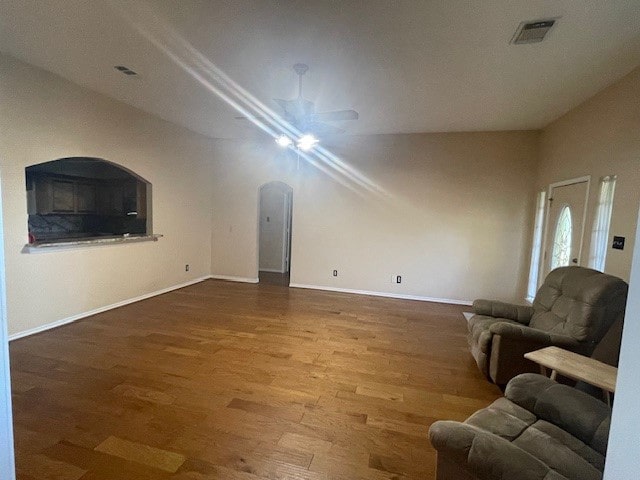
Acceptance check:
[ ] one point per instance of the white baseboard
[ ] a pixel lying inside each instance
(73, 318)
(383, 294)
(234, 279)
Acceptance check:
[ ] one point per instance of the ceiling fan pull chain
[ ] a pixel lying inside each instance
(299, 86)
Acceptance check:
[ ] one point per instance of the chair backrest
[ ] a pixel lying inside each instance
(579, 302)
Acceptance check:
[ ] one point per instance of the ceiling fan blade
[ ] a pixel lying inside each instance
(321, 129)
(259, 118)
(284, 104)
(298, 108)
(336, 116)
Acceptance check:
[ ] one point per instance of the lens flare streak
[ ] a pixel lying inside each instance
(164, 37)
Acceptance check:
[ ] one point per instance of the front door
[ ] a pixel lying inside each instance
(563, 239)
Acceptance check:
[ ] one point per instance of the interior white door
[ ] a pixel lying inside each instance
(565, 225)
(274, 229)
(288, 211)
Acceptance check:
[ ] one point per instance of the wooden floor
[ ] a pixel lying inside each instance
(235, 381)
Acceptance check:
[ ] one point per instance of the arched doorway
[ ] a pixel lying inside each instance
(274, 233)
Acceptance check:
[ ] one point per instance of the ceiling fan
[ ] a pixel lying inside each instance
(301, 113)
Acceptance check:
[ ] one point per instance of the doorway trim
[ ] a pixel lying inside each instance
(563, 183)
(7, 457)
(287, 245)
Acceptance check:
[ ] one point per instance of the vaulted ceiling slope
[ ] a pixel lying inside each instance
(404, 65)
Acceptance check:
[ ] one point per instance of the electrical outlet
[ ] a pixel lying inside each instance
(186, 267)
(335, 273)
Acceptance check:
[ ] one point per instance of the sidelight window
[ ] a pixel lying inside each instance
(601, 223)
(536, 246)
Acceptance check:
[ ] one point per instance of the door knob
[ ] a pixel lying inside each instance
(574, 260)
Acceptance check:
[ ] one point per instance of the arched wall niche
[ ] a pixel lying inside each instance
(80, 198)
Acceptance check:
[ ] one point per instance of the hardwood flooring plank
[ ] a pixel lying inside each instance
(191, 471)
(144, 394)
(348, 463)
(102, 466)
(41, 466)
(145, 454)
(401, 465)
(34, 442)
(247, 467)
(243, 382)
(398, 426)
(304, 443)
(188, 352)
(383, 393)
(291, 413)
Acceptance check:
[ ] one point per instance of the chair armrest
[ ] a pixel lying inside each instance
(519, 313)
(511, 341)
(576, 412)
(488, 456)
(522, 332)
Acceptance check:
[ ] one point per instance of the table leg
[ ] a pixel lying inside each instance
(553, 375)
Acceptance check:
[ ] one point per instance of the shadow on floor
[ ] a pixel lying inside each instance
(272, 278)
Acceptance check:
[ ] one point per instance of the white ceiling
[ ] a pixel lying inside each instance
(404, 65)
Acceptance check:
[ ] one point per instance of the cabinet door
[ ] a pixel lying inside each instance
(109, 199)
(141, 200)
(129, 197)
(63, 196)
(116, 200)
(86, 198)
(44, 195)
(102, 199)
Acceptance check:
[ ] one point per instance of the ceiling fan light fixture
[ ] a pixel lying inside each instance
(307, 142)
(284, 141)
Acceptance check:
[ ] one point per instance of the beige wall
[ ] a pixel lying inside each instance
(453, 221)
(43, 117)
(601, 137)
(453, 218)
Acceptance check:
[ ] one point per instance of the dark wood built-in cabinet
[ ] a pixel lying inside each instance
(48, 194)
(81, 198)
(68, 207)
(60, 195)
(85, 197)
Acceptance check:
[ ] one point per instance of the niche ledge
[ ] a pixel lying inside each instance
(57, 245)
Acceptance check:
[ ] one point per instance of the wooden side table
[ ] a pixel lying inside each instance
(576, 367)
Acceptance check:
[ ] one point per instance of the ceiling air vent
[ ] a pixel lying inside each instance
(532, 32)
(125, 70)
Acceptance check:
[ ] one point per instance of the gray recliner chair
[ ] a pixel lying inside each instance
(540, 430)
(573, 309)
